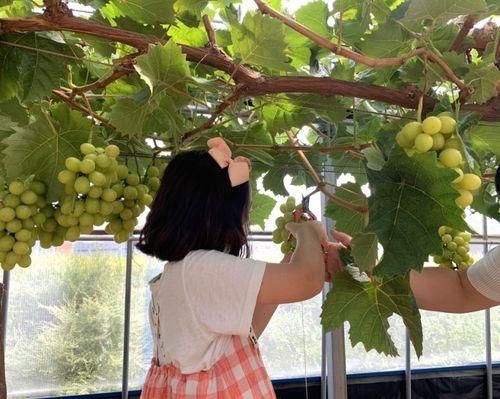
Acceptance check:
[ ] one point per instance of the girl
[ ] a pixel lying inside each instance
(212, 301)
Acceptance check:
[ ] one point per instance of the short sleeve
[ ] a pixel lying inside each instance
(484, 275)
(222, 290)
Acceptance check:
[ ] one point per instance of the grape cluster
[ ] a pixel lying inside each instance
(19, 213)
(455, 249)
(437, 133)
(291, 213)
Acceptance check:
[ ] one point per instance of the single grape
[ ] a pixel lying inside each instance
(112, 151)
(72, 164)
(133, 179)
(122, 171)
(442, 230)
(437, 141)
(452, 246)
(423, 142)
(465, 198)
(103, 161)
(23, 212)
(153, 171)
(87, 166)
(450, 157)
(87, 148)
(7, 214)
(29, 197)
(446, 238)
(38, 187)
(411, 130)
(11, 200)
(95, 192)
(431, 125)
(82, 185)
(448, 124)
(20, 248)
(16, 187)
(97, 178)
(470, 182)
(403, 141)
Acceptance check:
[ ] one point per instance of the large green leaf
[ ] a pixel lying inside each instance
(315, 16)
(367, 307)
(346, 220)
(486, 201)
(41, 69)
(164, 68)
(9, 73)
(364, 250)
(411, 198)
(281, 115)
(387, 41)
(189, 11)
(147, 11)
(443, 10)
(485, 81)
(40, 148)
(262, 205)
(485, 138)
(260, 40)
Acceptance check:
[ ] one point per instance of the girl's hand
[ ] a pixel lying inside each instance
(333, 263)
(311, 226)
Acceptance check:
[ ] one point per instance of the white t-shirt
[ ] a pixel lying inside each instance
(198, 303)
(484, 275)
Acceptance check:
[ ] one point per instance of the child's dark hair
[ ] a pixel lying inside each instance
(196, 208)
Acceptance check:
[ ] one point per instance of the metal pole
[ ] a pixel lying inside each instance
(324, 373)
(5, 304)
(487, 326)
(407, 365)
(335, 343)
(126, 322)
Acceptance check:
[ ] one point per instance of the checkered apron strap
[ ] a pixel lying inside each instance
(240, 373)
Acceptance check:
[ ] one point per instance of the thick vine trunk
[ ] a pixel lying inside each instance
(252, 82)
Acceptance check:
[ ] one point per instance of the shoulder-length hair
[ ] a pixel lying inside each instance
(196, 208)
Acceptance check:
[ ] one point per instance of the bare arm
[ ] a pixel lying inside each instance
(445, 290)
(303, 277)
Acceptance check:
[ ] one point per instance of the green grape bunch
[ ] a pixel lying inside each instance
(20, 206)
(456, 247)
(291, 213)
(438, 133)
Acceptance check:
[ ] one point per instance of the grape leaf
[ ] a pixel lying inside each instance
(260, 40)
(411, 198)
(281, 114)
(443, 10)
(485, 138)
(486, 202)
(346, 220)
(189, 11)
(164, 68)
(485, 81)
(364, 251)
(40, 148)
(40, 72)
(273, 181)
(367, 307)
(9, 73)
(147, 11)
(315, 16)
(262, 205)
(387, 41)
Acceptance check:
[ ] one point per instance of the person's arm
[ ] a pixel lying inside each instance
(445, 290)
(303, 277)
(264, 312)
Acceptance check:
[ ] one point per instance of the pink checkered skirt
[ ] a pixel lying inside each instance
(240, 373)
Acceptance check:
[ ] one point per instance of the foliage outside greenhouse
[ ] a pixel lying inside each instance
(402, 95)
